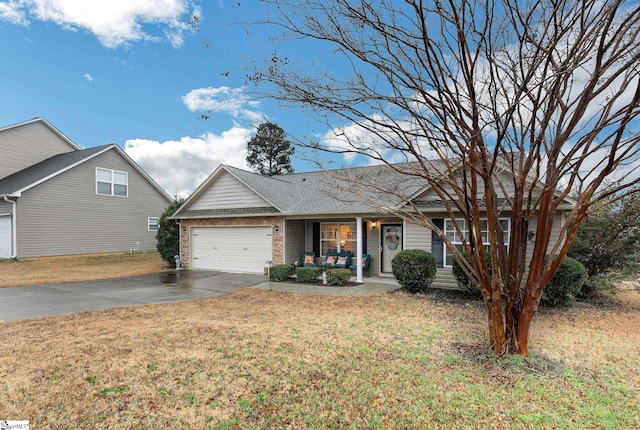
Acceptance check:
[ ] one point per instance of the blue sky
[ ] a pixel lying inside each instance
(136, 74)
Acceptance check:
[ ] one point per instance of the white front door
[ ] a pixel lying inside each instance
(231, 249)
(5, 237)
(391, 240)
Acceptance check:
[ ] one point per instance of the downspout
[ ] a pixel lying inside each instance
(14, 228)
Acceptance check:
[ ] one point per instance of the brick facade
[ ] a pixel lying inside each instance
(277, 231)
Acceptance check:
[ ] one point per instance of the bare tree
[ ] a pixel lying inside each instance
(503, 109)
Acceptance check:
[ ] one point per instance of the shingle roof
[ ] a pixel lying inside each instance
(376, 189)
(38, 172)
(328, 191)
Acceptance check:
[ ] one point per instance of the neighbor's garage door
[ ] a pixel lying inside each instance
(231, 249)
(5, 237)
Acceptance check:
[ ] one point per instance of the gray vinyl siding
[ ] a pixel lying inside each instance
(555, 235)
(417, 237)
(294, 240)
(26, 145)
(228, 193)
(64, 215)
(5, 208)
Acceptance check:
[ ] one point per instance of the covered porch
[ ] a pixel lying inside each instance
(380, 237)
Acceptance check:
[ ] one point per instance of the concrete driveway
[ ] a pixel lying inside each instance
(18, 303)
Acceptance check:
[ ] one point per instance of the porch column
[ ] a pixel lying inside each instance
(359, 249)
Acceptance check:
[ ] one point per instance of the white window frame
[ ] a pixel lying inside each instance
(113, 181)
(340, 241)
(451, 233)
(153, 221)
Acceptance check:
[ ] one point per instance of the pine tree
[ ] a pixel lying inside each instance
(269, 152)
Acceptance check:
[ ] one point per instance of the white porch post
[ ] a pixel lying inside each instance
(359, 249)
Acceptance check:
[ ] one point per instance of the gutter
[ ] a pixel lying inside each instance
(14, 229)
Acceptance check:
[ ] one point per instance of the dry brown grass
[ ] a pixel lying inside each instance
(34, 271)
(261, 359)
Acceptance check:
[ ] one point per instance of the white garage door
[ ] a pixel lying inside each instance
(5, 237)
(231, 249)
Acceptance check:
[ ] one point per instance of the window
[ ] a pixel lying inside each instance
(153, 223)
(338, 238)
(452, 235)
(112, 182)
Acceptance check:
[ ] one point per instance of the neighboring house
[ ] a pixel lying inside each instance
(59, 199)
(237, 220)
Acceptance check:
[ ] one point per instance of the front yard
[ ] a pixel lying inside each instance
(266, 359)
(33, 271)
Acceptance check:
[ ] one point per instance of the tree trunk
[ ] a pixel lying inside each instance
(529, 305)
(496, 326)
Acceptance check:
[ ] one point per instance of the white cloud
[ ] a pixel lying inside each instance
(114, 23)
(180, 166)
(377, 137)
(230, 101)
(88, 77)
(11, 11)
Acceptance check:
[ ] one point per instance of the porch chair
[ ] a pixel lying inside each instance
(330, 260)
(308, 259)
(344, 260)
(366, 262)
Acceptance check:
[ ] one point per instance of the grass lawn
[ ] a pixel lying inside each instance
(33, 271)
(266, 359)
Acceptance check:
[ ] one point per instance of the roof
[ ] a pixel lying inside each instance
(322, 192)
(40, 172)
(357, 190)
(33, 175)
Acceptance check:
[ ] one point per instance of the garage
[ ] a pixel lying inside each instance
(5, 237)
(231, 249)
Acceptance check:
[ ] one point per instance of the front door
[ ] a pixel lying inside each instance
(391, 240)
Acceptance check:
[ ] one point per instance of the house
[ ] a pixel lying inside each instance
(59, 199)
(237, 220)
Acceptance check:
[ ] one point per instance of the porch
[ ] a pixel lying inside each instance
(381, 237)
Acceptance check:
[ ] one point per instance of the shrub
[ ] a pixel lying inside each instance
(281, 272)
(565, 284)
(414, 269)
(308, 274)
(463, 280)
(601, 282)
(338, 276)
(168, 234)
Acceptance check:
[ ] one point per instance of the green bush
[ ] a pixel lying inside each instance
(168, 234)
(308, 274)
(463, 280)
(338, 276)
(281, 272)
(565, 284)
(414, 269)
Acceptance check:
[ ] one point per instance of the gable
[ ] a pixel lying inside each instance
(29, 143)
(227, 192)
(506, 184)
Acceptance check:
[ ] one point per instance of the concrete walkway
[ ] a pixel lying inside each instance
(364, 289)
(19, 303)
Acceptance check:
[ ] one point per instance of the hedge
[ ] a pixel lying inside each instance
(281, 272)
